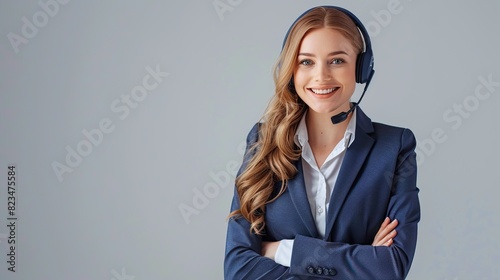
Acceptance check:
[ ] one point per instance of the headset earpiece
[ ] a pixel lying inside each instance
(364, 66)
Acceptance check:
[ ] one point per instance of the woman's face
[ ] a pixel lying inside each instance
(324, 77)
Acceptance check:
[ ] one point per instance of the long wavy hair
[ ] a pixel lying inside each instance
(275, 151)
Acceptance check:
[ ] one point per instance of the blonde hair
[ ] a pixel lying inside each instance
(275, 150)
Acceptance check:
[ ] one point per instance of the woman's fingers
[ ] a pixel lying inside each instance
(379, 232)
(388, 239)
(386, 233)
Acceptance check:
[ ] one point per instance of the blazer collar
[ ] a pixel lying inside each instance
(298, 195)
(364, 123)
(353, 161)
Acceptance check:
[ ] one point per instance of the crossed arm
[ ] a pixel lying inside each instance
(384, 237)
(249, 256)
(389, 256)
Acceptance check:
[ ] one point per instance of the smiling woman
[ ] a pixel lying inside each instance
(323, 192)
(325, 80)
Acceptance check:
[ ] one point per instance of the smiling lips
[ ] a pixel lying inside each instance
(323, 91)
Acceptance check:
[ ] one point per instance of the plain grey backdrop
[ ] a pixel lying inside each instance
(125, 121)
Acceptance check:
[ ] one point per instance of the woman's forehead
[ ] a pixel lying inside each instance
(325, 40)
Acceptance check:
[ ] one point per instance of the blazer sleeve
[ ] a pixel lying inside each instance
(336, 260)
(242, 257)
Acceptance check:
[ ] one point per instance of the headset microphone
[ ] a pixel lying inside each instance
(340, 117)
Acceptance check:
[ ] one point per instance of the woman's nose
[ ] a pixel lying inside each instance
(322, 73)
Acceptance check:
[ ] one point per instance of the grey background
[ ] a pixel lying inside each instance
(117, 214)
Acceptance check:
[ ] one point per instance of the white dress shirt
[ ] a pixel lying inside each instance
(319, 182)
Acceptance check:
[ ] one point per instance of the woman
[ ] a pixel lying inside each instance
(316, 199)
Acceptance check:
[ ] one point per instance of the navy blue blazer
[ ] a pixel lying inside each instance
(377, 179)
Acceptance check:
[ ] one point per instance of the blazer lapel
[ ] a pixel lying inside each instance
(297, 190)
(353, 161)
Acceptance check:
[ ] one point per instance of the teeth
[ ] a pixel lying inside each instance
(323, 91)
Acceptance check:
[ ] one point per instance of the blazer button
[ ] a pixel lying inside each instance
(325, 271)
(310, 269)
(332, 272)
(319, 270)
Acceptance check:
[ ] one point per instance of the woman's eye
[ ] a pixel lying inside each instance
(337, 61)
(306, 62)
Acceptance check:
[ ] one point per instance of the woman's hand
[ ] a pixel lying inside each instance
(269, 249)
(386, 233)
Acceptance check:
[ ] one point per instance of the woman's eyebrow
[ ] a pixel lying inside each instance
(330, 54)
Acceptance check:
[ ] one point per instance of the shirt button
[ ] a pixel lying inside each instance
(320, 209)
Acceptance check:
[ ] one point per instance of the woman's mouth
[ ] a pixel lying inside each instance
(323, 91)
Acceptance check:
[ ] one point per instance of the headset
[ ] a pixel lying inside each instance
(364, 61)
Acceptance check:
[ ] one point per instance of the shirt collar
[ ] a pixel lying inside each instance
(350, 132)
(301, 137)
